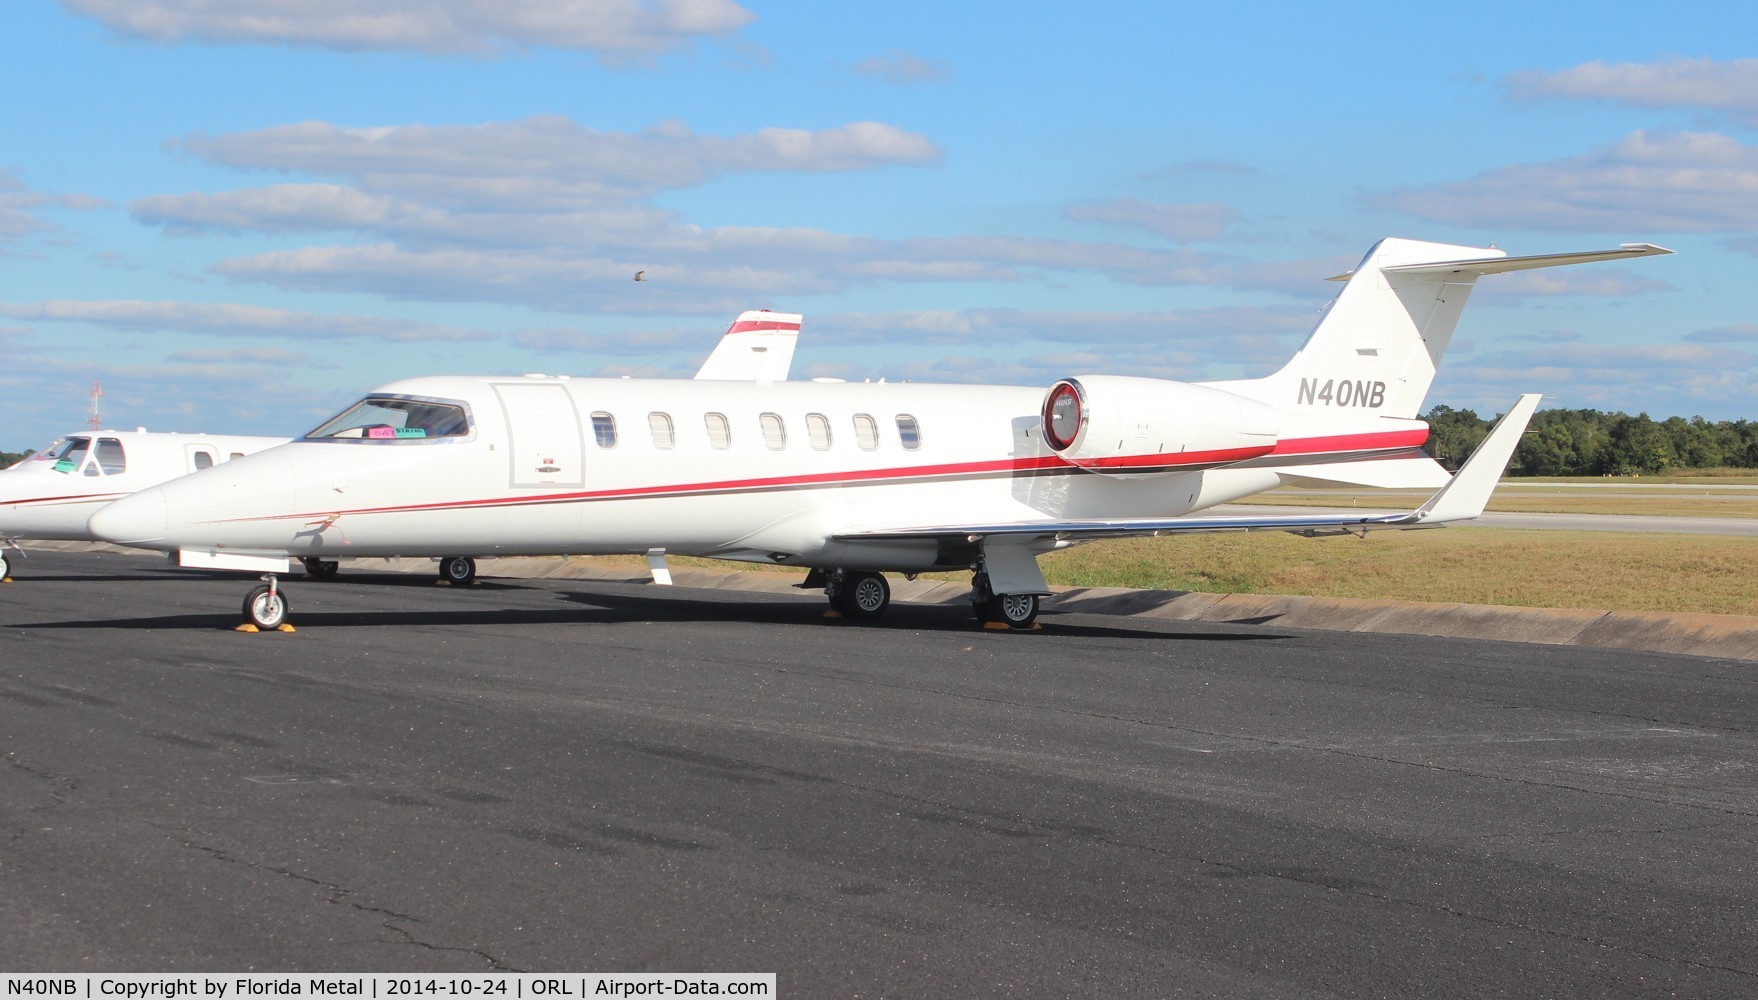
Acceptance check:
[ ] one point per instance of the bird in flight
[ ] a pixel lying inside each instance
(638, 275)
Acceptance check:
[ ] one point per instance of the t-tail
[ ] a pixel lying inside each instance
(1375, 350)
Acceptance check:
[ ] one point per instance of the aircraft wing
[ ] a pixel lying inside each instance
(1461, 499)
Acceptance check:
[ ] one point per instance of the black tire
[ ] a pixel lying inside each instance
(5, 566)
(864, 595)
(457, 570)
(264, 613)
(321, 569)
(1012, 610)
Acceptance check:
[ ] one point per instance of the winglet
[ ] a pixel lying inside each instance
(1466, 495)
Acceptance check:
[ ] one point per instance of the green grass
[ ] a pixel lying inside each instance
(1545, 569)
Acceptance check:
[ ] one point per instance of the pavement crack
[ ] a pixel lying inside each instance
(494, 964)
(338, 895)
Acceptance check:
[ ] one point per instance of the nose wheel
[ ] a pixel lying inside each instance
(265, 609)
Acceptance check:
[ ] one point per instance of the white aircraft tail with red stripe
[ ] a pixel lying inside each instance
(1375, 350)
(758, 347)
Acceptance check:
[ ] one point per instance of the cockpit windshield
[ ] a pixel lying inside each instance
(395, 418)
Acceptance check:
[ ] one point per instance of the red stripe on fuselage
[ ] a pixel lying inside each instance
(1042, 465)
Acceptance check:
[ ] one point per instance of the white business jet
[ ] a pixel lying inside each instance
(851, 480)
(51, 495)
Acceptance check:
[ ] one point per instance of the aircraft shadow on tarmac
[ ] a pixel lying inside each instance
(602, 608)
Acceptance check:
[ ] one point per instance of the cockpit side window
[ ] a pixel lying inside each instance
(394, 419)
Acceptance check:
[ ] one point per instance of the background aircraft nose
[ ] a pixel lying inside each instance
(132, 520)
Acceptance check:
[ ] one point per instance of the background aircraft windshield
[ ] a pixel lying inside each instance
(378, 418)
(72, 456)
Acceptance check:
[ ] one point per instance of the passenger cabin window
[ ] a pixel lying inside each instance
(818, 429)
(719, 430)
(604, 429)
(111, 456)
(204, 460)
(663, 434)
(774, 434)
(909, 431)
(867, 432)
(393, 419)
(235, 456)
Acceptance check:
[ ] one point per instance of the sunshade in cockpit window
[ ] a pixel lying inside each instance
(72, 455)
(386, 418)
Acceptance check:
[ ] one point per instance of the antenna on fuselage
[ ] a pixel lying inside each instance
(97, 393)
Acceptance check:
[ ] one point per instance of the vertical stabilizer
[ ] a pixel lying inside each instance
(758, 347)
(1375, 350)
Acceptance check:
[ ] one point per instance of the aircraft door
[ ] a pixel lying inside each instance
(544, 444)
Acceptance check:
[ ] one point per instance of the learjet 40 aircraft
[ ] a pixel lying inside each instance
(52, 494)
(850, 480)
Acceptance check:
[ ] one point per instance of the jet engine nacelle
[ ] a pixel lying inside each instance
(1119, 425)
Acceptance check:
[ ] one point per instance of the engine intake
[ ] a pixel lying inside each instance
(1119, 425)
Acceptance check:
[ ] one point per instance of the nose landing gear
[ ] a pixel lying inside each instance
(266, 608)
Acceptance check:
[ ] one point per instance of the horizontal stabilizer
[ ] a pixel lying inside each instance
(1501, 265)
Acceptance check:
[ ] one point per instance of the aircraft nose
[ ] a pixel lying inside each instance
(132, 520)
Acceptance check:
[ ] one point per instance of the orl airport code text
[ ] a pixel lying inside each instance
(375, 986)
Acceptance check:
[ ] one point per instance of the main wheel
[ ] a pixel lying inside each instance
(457, 569)
(1012, 610)
(864, 595)
(321, 569)
(5, 566)
(266, 609)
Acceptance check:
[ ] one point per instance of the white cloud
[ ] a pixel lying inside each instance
(231, 319)
(1197, 223)
(1679, 83)
(550, 162)
(1647, 182)
(616, 29)
(904, 67)
(1739, 333)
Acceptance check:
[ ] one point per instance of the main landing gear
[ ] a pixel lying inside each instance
(321, 569)
(457, 570)
(1011, 611)
(858, 594)
(865, 595)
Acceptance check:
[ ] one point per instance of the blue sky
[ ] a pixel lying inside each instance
(241, 214)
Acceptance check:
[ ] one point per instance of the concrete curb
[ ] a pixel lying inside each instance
(1728, 636)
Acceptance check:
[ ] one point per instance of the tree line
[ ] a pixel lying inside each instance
(1593, 443)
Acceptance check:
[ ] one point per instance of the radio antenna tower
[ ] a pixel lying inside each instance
(96, 421)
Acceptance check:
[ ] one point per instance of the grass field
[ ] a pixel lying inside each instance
(1546, 569)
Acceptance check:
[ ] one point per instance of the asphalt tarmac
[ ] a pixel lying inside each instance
(562, 776)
